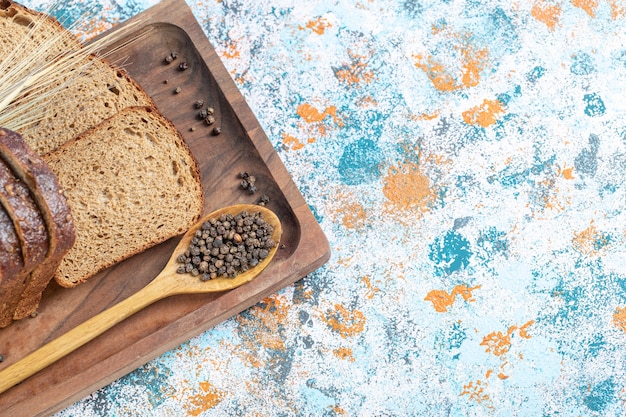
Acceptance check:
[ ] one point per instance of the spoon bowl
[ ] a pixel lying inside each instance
(168, 282)
(189, 284)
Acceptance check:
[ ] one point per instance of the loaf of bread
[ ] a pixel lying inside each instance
(31, 234)
(131, 183)
(12, 271)
(27, 219)
(44, 188)
(129, 180)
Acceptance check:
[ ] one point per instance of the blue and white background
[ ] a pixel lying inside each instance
(467, 162)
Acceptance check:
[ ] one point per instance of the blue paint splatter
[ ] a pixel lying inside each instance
(586, 162)
(600, 396)
(493, 241)
(360, 162)
(153, 379)
(535, 74)
(505, 98)
(594, 105)
(450, 252)
(582, 64)
(596, 345)
(509, 178)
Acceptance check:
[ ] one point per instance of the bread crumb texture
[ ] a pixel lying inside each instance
(131, 183)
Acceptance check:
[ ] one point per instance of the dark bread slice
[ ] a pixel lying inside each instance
(31, 233)
(11, 268)
(27, 220)
(47, 194)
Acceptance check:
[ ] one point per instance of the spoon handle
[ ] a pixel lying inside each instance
(81, 334)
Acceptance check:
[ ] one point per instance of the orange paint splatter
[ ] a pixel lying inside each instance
(475, 391)
(618, 11)
(499, 343)
(371, 291)
(353, 215)
(292, 142)
(207, 398)
(589, 6)
(589, 241)
(264, 329)
(318, 25)
(470, 61)
(567, 172)
(426, 116)
(230, 50)
(355, 71)
(310, 114)
(485, 114)
(546, 13)
(407, 187)
(346, 323)
(523, 330)
(367, 102)
(619, 318)
(442, 300)
(344, 353)
(339, 411)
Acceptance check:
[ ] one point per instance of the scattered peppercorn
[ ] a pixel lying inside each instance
(227, 245)
(1, 358)
(191, 129)
(183, 66)
(171, 57)
(248, 182)
(165, 81)
(263, 200)
(217, 130)
(178, 90)
(198, 104)
(209, 120)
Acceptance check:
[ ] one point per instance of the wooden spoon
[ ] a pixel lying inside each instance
(168, 282)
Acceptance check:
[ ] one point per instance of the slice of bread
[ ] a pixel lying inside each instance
(31, 233)
(47, 195)
(80, 102)
(131, 183)
(81, 96)
(11, 268)
(28, 37)
(27, 220)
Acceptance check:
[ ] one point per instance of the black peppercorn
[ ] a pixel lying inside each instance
(226, 255)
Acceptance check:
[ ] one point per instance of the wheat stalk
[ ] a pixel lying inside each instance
(29, 78)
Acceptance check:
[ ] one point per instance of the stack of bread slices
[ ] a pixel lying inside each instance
(81, 190)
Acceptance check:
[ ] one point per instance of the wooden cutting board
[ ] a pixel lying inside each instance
(242, 146)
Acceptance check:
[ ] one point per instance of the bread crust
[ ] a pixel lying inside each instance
(27, 220)
(47, 194)
(31, 233)
(11, 268)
